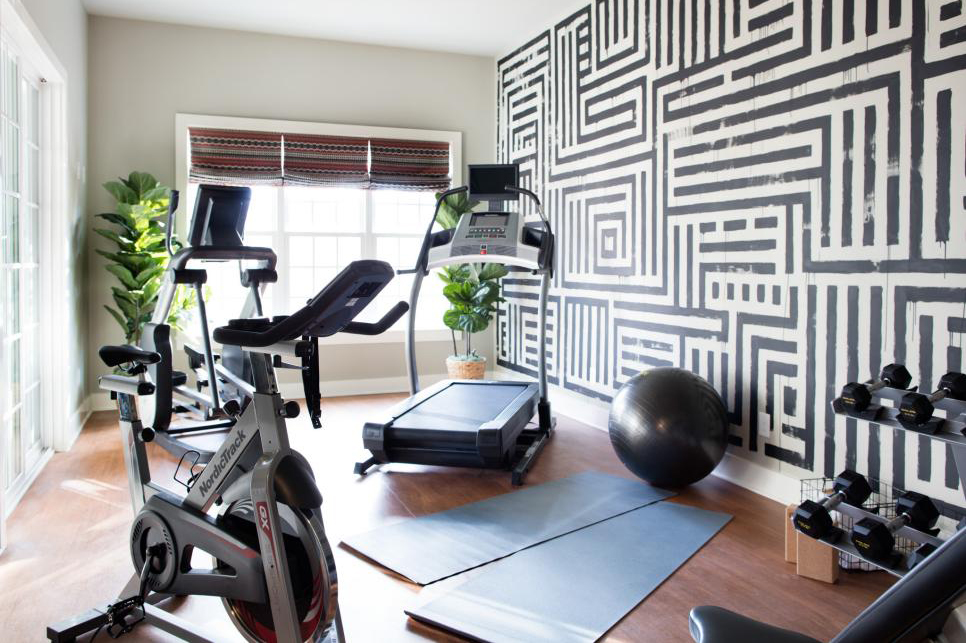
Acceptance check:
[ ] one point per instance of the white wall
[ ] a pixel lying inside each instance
(64, 27)
(143, 73)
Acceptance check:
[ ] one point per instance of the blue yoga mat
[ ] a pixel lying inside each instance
(575, 587)
(429, 548)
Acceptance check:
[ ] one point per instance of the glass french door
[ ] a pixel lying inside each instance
(23, 440)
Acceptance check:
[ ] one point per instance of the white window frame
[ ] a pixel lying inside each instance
(60, 424)
(185, 121)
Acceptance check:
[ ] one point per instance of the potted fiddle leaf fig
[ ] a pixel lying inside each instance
(139, 257)
(473, 292)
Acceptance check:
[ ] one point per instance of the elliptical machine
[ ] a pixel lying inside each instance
(273, 567)
(223, 383)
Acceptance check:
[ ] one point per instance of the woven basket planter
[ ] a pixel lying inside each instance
(465, 369)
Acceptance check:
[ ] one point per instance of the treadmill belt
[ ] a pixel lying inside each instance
(460, 406)
(575, 587)
(429, 548)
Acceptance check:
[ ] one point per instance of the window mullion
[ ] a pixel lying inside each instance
(281, 296)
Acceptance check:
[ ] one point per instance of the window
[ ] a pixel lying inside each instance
(316, 232)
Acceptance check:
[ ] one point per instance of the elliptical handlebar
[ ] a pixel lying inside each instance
(173, 199)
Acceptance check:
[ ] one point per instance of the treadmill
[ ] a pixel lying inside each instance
(474, 423)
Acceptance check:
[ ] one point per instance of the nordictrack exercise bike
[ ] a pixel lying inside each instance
(273, 567)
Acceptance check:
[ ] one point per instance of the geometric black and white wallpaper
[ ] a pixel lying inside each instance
(771, 193)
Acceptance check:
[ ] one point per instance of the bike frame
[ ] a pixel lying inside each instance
(263, 419)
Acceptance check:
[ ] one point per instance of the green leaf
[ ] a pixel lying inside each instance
(123, 242)
(118, 318)
(451, 318)
(148, 274)
(119, 219)
(491, 271)
(121, 192)
(141, 182)
(129, 308)
(157, 193)
(123, 294)
(123, 274)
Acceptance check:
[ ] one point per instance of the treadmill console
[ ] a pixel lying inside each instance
(489, 237)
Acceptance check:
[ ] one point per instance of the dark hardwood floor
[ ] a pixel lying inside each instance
(68, 538)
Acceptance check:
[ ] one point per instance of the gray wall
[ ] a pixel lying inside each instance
(143, 73)
(64, 26)
(772, 198)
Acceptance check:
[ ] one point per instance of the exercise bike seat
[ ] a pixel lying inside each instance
(330, 311)
(709, 624)
(126, 354)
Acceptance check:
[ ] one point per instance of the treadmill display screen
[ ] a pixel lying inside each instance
(489, 220)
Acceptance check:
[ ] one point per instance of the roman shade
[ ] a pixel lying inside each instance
(408, 165)
(327, 161)
(235, 157)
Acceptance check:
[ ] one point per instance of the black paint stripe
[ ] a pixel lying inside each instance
(826, 24)
(952, 37)
(831, 330)
(694, 31)
(766, 222)
(924, 461)
(869, 213)
(895, 13)
(943, 162)
(851, 372)
(738, 246)
(736, 18)
(734, 224)
(871, 17)
(950, 10)
(848, 20)
(798, 152)
(771, 17)
(747, 182)
(848, 135)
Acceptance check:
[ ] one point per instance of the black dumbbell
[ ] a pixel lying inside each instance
(856, 396)
(813, 518)
(875, 539)
(920, 554)
(917, 409)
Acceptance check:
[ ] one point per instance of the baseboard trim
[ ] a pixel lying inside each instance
(735, 469)
(75, 425)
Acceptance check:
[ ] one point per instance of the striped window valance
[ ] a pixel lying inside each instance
(409, 165)
(233, 157)
(332, 161)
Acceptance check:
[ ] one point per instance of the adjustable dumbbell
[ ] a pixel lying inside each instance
(875, 539)
(813, 518)
(917, 408)
(857, 396)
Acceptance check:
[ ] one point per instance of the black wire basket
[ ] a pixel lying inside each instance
(882, 502)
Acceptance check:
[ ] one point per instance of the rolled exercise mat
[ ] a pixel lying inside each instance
(577, 586)
(429, 548)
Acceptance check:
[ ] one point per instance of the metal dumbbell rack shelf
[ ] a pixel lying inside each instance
(951, 430)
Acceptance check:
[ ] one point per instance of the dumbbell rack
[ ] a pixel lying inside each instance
(949, 430)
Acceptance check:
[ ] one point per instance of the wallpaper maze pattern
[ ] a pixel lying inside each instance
(768, 192)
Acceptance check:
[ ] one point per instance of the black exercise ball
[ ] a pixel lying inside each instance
(668, 426)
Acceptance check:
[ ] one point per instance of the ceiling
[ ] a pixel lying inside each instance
(480, 27)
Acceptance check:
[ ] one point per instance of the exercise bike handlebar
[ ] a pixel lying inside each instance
(379, 327)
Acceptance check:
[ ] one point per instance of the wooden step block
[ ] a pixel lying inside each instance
(816, 560)
(791, 542)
